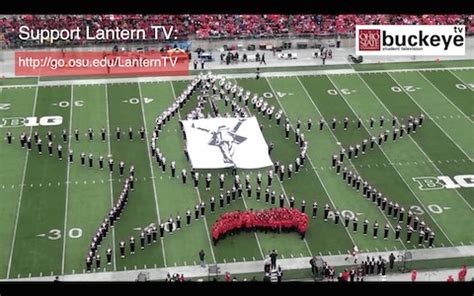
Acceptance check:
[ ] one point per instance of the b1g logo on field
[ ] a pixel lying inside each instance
(31, 121)
(369, 39)
(445, 182)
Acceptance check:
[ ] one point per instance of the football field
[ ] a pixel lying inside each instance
(52, 208)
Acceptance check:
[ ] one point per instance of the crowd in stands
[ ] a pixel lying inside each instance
(220, 25)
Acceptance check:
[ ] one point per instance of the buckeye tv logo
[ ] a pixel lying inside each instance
(411, 40)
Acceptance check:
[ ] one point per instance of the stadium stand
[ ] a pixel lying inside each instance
(218, 26)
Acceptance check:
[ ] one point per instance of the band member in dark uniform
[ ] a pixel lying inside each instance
(354, 224)
(376, 229)
(366, 226)
(385, 231)
(188, 217)
(336, 217)
(9, 137)
(122, 249)
(142, 240)
(326, 212)
(132, 245)
(102, 133)
(315, 209)
(109, 256)
(398, 229)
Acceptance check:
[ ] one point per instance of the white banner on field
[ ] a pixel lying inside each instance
(224, 142)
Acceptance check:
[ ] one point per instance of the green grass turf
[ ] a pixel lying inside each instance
(158, 195)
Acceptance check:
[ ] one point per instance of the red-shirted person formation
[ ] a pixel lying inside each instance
(277, 219)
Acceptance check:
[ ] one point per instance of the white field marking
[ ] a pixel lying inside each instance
(291, 255)
(320, 254)
(73, 271)
(422, 151)
(386, 249)
(426, 113)
(175, 264)
(243, 258)
(21, 194)
(222, 259)
(312, 165)
(376, 249)
(281, 186)
(41, 235)
(151, 169)
(255, 234)
(444, 96)
(198, 193)
(235, 260)
(414, 194)
(459, 78)
(339, 252)
(110, 182)
(329, 252)
(41, 273)
(282, 256)
(68, 171)
(237, 75)
(324, 187)
(52, 273)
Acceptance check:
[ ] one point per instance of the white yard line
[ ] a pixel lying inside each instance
(245, 204)
(395, 168)
(444, 96)
(309, 159)
(426, 113)
(110, 180)
(151, 169)
(198, 193)
(21, 193)
(335, 138)
(255, 234)
(469, 86)
(410, 136)
(67, 181)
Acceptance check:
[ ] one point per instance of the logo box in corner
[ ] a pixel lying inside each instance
(411, 40)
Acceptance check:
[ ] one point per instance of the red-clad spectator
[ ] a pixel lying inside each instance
(227, 277)
(345, 275)
(450, 279)
(462, 274)
(413, 275)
